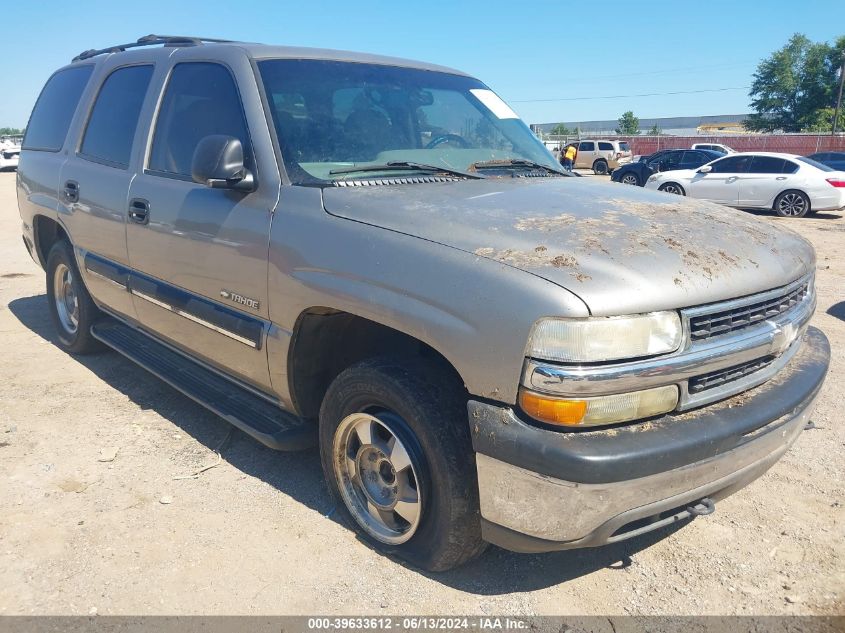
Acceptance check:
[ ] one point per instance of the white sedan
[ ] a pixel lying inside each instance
(791, 185)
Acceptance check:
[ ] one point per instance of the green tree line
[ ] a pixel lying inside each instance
(795, 88)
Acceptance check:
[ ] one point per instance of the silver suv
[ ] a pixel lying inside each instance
(379, 257)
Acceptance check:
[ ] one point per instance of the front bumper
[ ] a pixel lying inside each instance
(543, 490)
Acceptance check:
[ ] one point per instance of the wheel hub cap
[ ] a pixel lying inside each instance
(65, 299)
(377, 477)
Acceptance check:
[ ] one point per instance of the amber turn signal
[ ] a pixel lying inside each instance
(552, 410)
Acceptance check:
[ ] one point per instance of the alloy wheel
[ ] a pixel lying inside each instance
(792, 204)
(65, 298)
(377, 477)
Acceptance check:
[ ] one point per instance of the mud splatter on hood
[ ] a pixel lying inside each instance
(621, 249)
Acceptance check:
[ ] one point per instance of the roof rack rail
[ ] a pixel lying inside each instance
(148, 40)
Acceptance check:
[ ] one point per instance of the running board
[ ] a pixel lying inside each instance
(251, 413)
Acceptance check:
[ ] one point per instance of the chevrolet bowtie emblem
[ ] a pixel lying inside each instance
(783, 337)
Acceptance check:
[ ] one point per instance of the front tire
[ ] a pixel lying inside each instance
(792, 204)
(673, 188)
(396, 452)
(600, 167)
(71, 307)
(630, 179)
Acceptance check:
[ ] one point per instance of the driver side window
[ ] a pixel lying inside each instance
(731, 165)
(201, 99)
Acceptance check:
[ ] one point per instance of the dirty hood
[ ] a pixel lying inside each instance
(621, 249)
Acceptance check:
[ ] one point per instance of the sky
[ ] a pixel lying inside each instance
(552, 61)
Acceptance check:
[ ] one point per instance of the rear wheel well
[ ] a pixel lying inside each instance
(326, 341)
(47, 232)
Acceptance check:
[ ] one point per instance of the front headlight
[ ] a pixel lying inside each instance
(605, 338)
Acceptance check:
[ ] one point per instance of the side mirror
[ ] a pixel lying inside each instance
(218, 163)
(706, 169)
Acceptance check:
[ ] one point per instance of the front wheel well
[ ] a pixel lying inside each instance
(327, 341)
(46, 232)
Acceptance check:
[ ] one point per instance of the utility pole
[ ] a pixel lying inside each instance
(839, 98)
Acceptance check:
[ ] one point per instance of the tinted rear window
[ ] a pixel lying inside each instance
(54, 109)
(815, 164)
(111, 128)
(605, 146)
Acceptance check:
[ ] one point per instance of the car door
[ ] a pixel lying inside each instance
(665, 161)
(95, 182)
(720, 184)
(199, 255)
(586, 154)
(765, 178)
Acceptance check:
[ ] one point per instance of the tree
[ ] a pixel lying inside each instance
(561, 130)
(628, 124)
(794, 85)
(654, 131)
(10, 131)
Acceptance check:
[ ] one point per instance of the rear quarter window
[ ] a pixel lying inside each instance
(50, 120)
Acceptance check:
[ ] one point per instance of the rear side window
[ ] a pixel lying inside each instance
(767, 165)
(51, 117)
(587, 146)
(114, 118)
(623, 146)
(605, 146)
(201, 99)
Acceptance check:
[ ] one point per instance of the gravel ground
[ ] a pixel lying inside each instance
(92, 519)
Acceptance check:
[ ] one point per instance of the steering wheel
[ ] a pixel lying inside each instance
(460, 141)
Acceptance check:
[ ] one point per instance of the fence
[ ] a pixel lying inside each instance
(802, 144)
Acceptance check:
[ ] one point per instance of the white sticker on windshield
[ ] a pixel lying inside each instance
(494, 103)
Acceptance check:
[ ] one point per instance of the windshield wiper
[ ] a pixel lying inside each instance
(516, 162)
(404, 165)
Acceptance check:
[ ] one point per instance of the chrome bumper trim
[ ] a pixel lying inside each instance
(556, 510)
(779, 336)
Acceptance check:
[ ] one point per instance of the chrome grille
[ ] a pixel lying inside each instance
(706, 326)
(729, 374)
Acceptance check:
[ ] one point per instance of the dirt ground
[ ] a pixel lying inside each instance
(90, 448)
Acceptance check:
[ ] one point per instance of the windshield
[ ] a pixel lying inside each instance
(332, 115)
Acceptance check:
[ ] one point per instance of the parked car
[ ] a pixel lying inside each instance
(834, 160)
(601, 156)
(637, 173)
(9, 154)
(378, 256)
(791, 185)
(713, 147)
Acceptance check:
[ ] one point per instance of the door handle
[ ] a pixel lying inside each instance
(71, 191)
(139, 210)
(781, 178)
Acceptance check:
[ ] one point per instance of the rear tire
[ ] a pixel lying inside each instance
(673, 188)
(71, 307)
(600, 167)
(792, 204)
(418, 501)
